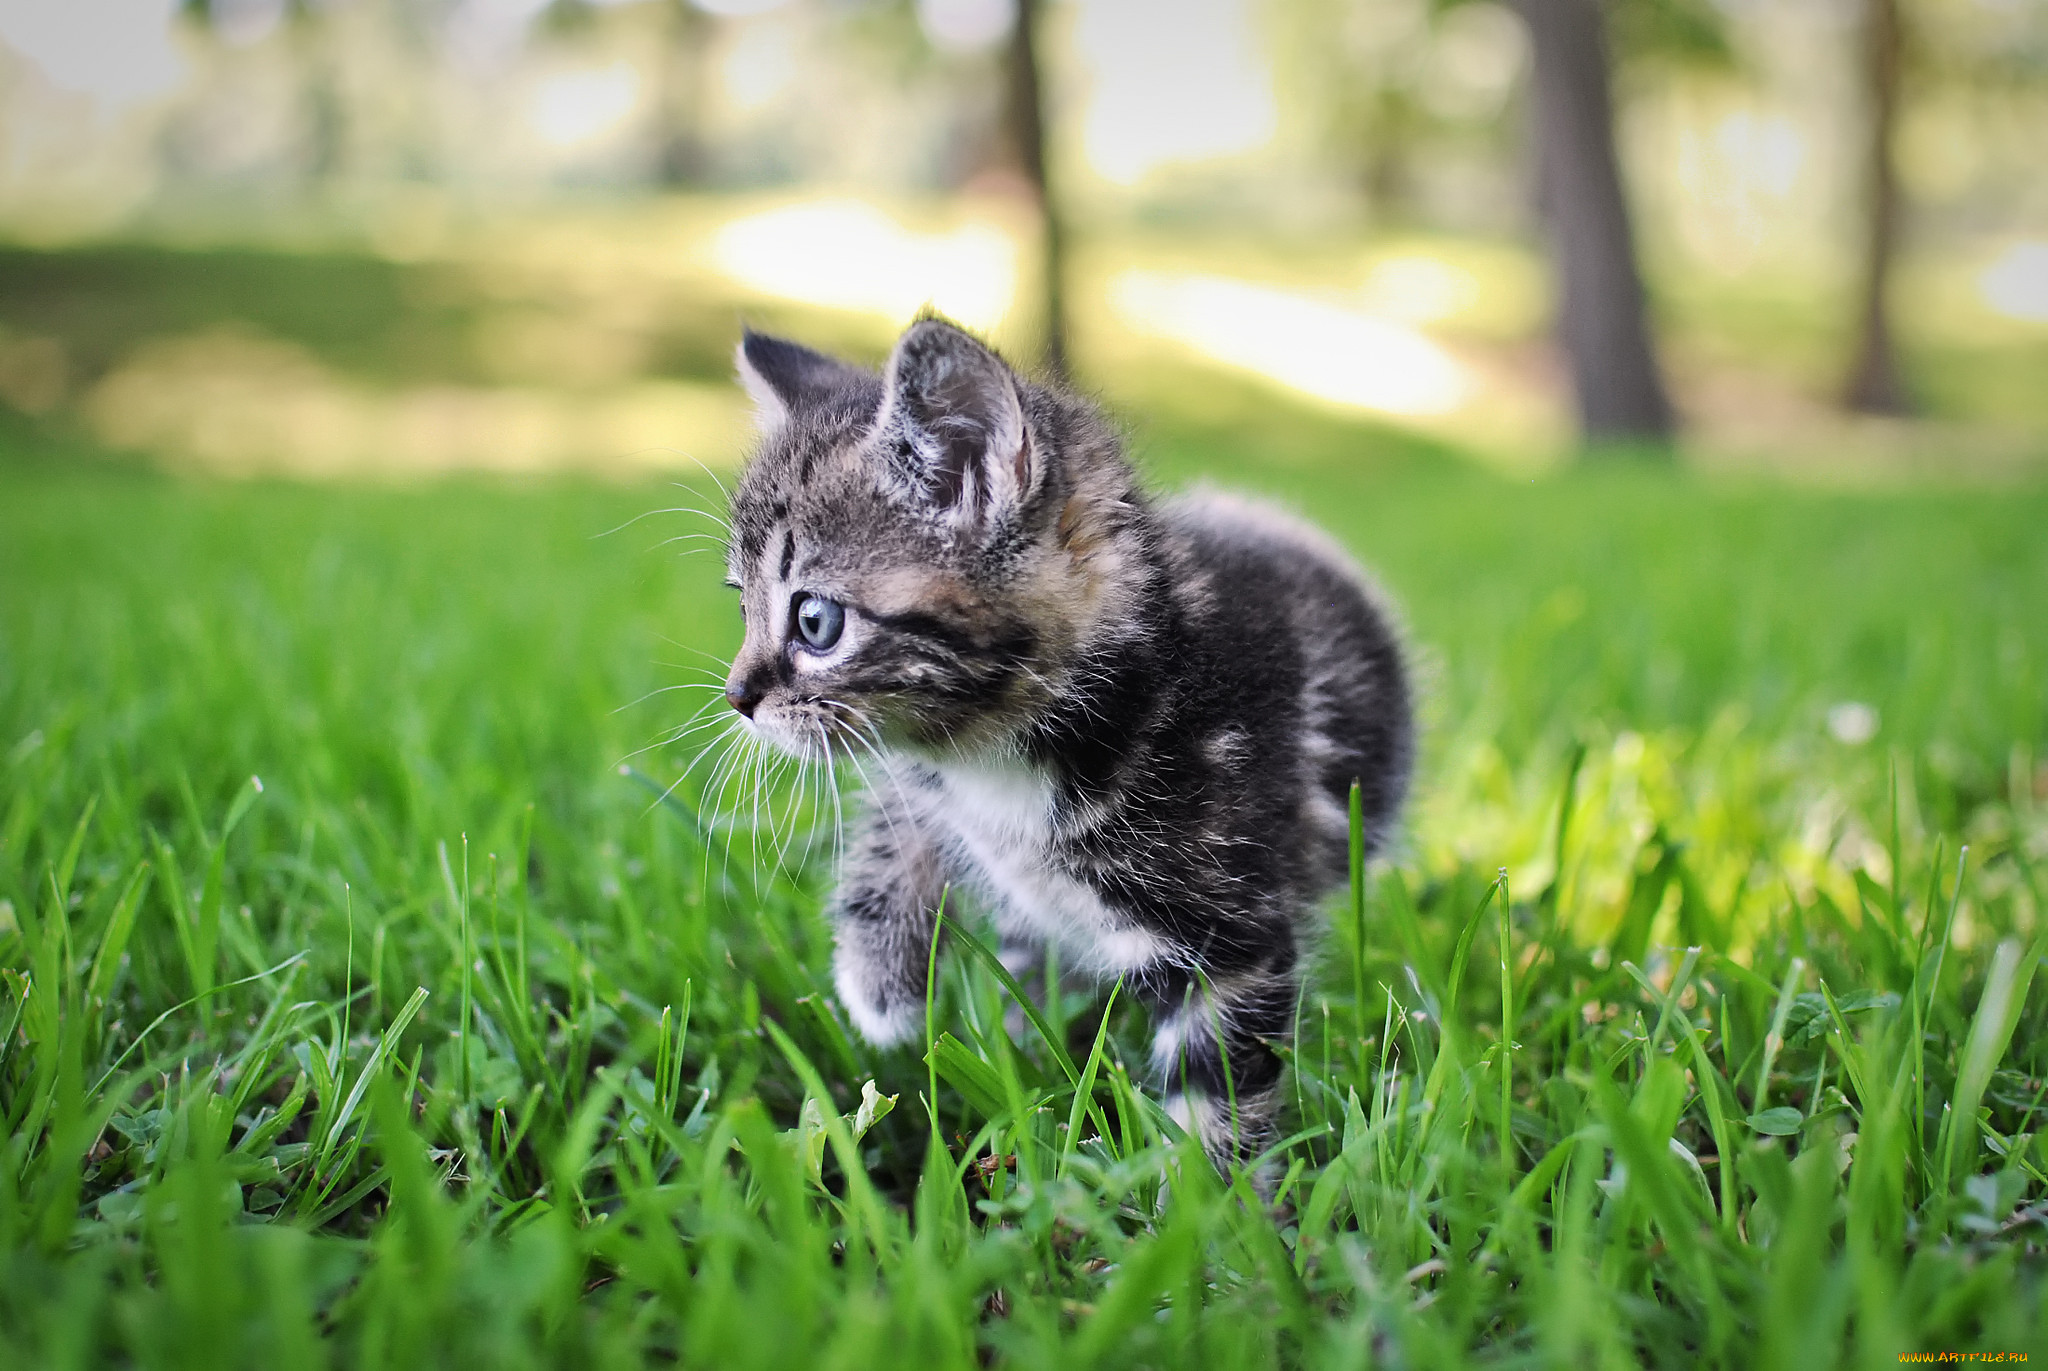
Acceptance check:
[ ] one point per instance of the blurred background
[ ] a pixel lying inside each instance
(338, 237)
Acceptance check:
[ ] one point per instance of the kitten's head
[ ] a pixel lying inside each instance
(919, 554)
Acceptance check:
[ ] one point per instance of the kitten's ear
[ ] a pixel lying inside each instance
(952, 423)
(782, 376)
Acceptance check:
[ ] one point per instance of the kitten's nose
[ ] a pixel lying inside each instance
(743, 695)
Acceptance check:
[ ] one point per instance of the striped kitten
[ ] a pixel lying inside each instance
(1128, 726)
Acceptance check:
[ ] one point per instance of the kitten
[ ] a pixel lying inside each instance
(1128, 726)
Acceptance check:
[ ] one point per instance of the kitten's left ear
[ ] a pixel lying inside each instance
(952, 423)
(782, 376)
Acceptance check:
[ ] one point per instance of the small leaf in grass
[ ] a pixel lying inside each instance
(807, 1139)
(1778, 1123)
(121, 1208)
(1810, 1021)
(873, 1106)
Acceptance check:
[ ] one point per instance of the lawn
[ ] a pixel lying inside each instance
(365, 1005)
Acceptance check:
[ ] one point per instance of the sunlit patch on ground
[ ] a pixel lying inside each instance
(2016, 283)
(847, 254)
(1331, 352)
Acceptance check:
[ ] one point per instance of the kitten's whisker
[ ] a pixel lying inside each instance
(792, 768)
(757, 765)
(799, 807)
(673, 736)
(714, 721)
(820, 771)
(708, 471)
(732, 773)
(829, 730)
(730, 759)
(739, 783)
(710, 516)
(757, 773)
(747, 758)
(811, 797)
(838, 809)
(682, 776)
(711, 538)
(649, 514)
(695, 724)
(781, 783)
(711, 657)
(719, 746)
(782, 834)
(663, 690)
(709, 796)
(703, 510)
(703, 673)
(880, 800)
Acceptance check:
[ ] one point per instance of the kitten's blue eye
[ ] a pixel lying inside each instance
(819, 621)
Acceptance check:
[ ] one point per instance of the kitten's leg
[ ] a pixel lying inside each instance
(890, 883)
(1211, 1046)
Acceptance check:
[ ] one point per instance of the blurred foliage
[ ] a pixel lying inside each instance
(1681, 32)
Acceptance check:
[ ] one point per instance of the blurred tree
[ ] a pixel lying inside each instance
(323, 116)
(1874, 384)
(1365, 62)
(1985, 56)
(1024, 125)
(999, 139)
(1393, 128)
(326, 110)
(1601, 311)
(681, 74)
(1390, 108)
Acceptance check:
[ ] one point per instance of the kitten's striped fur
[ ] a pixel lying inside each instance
(1127, 725)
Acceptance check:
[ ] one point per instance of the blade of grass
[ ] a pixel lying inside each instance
(1923, 1005)
(1998, 1013)
(386, 1045)
(106, 962)
(931, 977)
(1507, 1030)
(183, 1005)
(1084, 1090)
(1760, 1096)
(1357, 835)
(1009, 982)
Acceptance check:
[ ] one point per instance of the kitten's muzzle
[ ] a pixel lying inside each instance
(744, 694)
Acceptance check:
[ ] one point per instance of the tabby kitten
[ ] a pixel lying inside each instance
(1128, 726)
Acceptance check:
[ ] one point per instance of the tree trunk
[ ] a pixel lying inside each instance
(1389, 153)
(1601, 320)
(681, 73)
(326, 112)
(1024, 126)
(1874, 386)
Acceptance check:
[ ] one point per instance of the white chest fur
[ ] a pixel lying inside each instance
(1001, 816)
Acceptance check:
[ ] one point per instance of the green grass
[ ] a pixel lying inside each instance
(450, 1046)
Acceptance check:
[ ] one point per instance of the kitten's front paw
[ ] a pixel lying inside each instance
(883, 1019)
